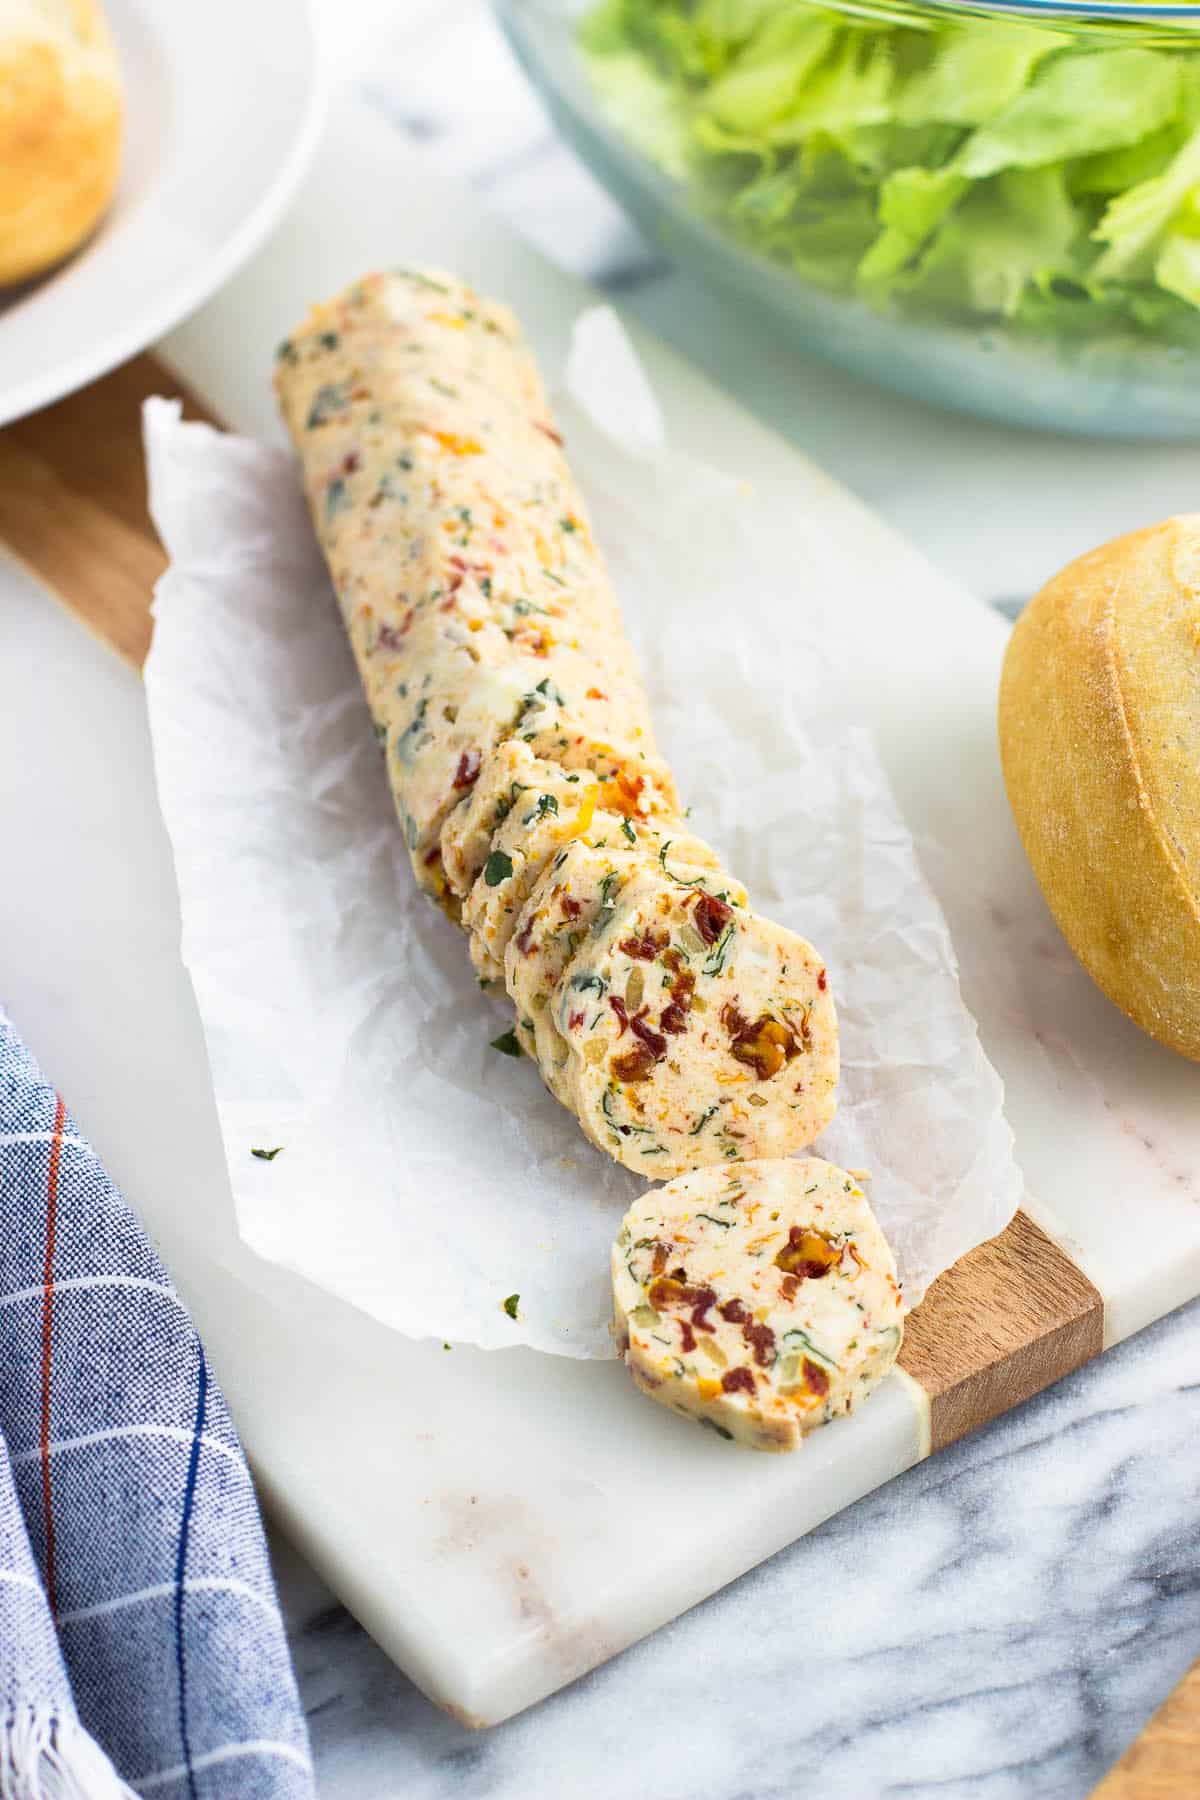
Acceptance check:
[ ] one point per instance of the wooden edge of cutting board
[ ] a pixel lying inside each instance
(1164, 1762)
(73, 501)
(1010, 1318)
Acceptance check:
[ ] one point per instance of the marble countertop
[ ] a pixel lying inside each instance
(1002, 1620)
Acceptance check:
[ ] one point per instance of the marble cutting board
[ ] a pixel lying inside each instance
(503, 1522)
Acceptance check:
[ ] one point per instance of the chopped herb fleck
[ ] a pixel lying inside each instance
(419, 280)
(702, 1121)
(287, 352)
(711, 1425)
(497, 868)
(507, 1044)
(337, 497)
(328, 401)
(625, 1130)
(583, 982)
(697, 881)
(406, 742)
(568, 524)
(512, 1305)
(547, 804)
(794, 1334)
(329, 340)
(723, 1223)
(630, 833)
(720, 951)
(267, 1155)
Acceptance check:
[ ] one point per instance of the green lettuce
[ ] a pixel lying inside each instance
(1077, 103)
(978, 169)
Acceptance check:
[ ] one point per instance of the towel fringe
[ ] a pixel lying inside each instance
(45, 1756)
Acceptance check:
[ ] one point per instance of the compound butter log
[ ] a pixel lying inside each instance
(476, 601)
(519, 742)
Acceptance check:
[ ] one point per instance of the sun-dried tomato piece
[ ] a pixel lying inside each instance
(391, 637)
(765, 1046)
(711, 916)
(674, 1291)
(735, 1022)
(571, 908)
(761, 1340)
(525, 939)
(618, 1006)
(702, 1299)
(733, 1310)
(823, 980)
(815, 1378)
(742, 1378)
(636, 1064)
(808, 1253)
(659, 1260)
(467, 772)
(644, 948)
(687, 1336)
(674, 1018)
(654, 1041)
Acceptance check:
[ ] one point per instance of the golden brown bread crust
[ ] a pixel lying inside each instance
(1100, 741)
(60, 130)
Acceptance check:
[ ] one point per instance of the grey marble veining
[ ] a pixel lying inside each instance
(1002, 1620)
(999, 1623)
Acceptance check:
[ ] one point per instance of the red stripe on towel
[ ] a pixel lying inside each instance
(47, 1342)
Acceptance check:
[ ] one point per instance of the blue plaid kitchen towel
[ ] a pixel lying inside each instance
(141, 1647)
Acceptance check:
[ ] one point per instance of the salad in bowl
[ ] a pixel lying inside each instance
(995, 207)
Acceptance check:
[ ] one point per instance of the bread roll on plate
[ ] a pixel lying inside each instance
(1100, 740)
(60, 130)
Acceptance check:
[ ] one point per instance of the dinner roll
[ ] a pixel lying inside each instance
(1100, 741)
(60, 129)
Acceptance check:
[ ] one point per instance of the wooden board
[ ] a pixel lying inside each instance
(1009, 1319)
(1164, 1762)
(73, 501)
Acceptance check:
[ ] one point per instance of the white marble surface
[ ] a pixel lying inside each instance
(999, 1621)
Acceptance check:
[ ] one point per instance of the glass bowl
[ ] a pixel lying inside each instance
(994, 209)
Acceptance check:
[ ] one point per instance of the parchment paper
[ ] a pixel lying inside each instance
(421, 1175)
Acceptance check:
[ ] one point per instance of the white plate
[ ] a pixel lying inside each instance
(223, 110)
